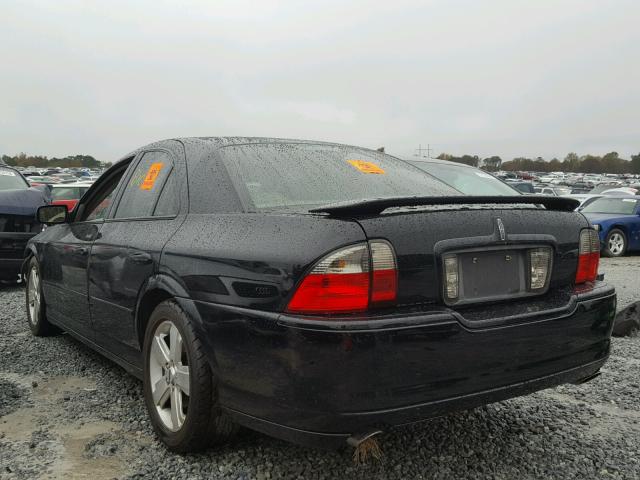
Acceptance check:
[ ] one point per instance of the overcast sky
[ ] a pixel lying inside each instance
(512, 78)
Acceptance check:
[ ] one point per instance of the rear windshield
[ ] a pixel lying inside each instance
(11, 180)
(623, 206)
(302, 176)
(469, 181)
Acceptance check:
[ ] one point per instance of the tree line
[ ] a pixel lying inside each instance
(38, 161)
(609, 163)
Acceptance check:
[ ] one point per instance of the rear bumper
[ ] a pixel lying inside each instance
(383, 419)
(317, 382)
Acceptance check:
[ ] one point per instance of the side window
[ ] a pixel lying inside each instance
(98, 206)
(142, 190)
(168, 204)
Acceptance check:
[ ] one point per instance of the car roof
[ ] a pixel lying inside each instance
(225, 141)
(219, 142)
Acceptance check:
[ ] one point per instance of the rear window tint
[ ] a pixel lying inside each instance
(168, 204)
(144, 186)
(301, 176)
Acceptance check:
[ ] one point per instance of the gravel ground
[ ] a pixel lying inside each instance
(65, 412)
(624, 273)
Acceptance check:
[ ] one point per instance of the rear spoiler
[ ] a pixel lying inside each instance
(378, 205)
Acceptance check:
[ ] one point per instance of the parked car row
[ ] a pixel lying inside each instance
(75, 172)
(317, 292)
(577, 182)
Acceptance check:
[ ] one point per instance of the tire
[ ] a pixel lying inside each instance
(184, 410)
(36, 307)
(615, 244)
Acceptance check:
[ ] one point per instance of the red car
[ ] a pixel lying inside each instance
(68, 194)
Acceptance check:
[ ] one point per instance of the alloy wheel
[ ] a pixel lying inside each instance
(616, 244)
(33, 293)
(169, 376)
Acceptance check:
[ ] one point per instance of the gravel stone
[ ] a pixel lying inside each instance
(10, 397)
(64, 409)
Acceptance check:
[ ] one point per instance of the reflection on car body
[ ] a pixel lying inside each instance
(316, 291)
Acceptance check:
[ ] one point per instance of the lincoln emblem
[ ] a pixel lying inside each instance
(503, 233)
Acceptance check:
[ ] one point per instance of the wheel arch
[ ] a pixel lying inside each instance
(619, 226)
(29, 253)
(155, 290)
(158, 289)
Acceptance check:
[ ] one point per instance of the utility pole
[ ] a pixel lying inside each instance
(420, 150)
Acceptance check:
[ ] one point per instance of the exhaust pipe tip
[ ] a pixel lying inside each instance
(357, 438)
(365, 446)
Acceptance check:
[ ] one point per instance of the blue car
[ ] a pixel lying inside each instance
(617, 220)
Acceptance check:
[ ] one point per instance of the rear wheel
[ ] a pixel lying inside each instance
(616, 243)
(36, 307)
(179, 387)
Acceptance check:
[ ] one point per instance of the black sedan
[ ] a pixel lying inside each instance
(316, 292)
(19, 202)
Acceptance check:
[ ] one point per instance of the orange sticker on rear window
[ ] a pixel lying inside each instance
(366, 167)
(152, 175)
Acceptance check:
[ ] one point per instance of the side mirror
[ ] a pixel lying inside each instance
(53, 214)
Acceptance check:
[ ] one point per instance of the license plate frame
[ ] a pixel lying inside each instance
(493, 274)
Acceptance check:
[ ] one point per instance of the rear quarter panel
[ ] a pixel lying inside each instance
(251, 260)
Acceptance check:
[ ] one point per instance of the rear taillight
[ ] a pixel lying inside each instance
(384, 285)
(351, 279)
(589, 256)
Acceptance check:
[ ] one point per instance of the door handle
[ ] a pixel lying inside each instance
(140, 257)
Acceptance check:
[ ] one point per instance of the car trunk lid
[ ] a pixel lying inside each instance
(491, 239)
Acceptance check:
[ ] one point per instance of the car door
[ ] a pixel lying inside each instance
(131, 240)
(65, 258)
